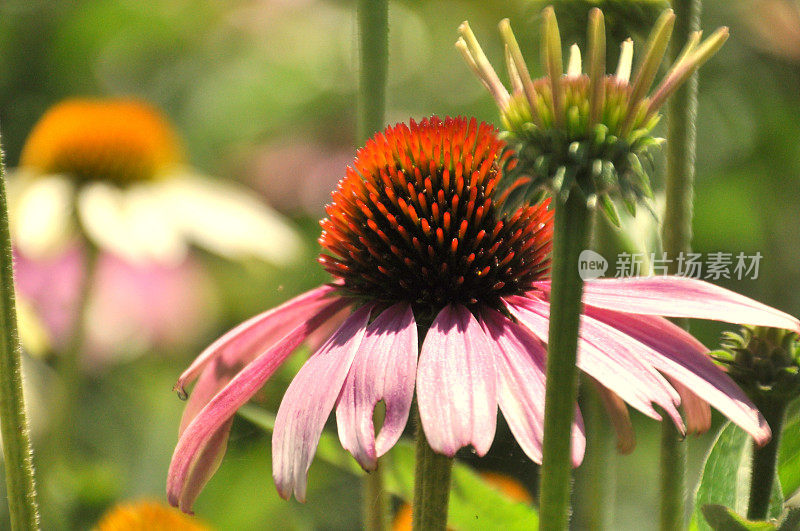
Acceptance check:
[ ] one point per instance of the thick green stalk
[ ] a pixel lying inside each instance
(20, 486)
(431, 486)
(765, 459)
(595, 478)
(677, 237)
(373, 29)
(570, 237)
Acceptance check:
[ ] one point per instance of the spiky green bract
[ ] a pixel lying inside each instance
(763, 361)
(585, 133)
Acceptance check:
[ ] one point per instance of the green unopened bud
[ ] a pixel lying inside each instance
(610, 116)
(765, 362)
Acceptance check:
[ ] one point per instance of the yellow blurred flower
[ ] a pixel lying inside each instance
(114, 170)
(148, 516)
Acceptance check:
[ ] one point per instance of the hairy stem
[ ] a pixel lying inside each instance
(677, 236)
(17, 451)
(431, 486)
(570, 237)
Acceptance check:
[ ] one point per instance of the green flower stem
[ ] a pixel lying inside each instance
(20, 486)
(595, 478)
(373, 29)
(69, 366)
(431, 486)
(673, 478)
(570, 237)
(764, 460)
(677, 237)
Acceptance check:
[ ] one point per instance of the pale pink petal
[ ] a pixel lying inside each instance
(188, 470)
(251, 337)
(620, 418)
(606, 357)
(520, 361)
(674, 352)
(456, 384)
(308, 402)
(672, 296)
(384, 368)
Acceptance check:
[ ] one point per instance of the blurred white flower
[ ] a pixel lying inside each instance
(113, 171)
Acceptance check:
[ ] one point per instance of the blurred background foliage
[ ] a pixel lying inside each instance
(263, 92)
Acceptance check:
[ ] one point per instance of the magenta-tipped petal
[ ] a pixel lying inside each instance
(308, 402)
(247, 340)
(671, 296)
(674, 352)
(456, 384)
(609, 357)
(190, 461)
(384, 368)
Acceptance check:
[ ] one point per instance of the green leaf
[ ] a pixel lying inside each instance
(474, 504)
(720, 518)
(726, 477)
(789, 458)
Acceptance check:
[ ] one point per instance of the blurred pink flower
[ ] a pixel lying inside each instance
(481, 296)
(132, 307)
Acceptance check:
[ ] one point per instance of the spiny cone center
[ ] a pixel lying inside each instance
(119, 141)
(417, 219)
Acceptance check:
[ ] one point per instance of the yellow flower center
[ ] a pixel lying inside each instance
(121, 141)
(148, 516)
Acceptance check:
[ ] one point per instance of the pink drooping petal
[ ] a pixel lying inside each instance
(672, 296)
(384, 368)
(674, 352)
(248, 339)
(456, 384)
(308, 402)
(620, 418)
(697, 410)
(520, 361)
(208, 459)
(619, 370)
(188, 470)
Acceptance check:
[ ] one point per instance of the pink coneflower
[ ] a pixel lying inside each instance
(416, 239)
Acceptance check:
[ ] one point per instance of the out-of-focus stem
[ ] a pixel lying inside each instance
(373, 29)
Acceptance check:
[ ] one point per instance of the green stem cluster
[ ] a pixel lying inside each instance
(570, 237)
(373, 28)
(677, 237)
(17, 452)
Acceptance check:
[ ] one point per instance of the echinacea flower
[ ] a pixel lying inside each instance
(416, 241)
(113, 170)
